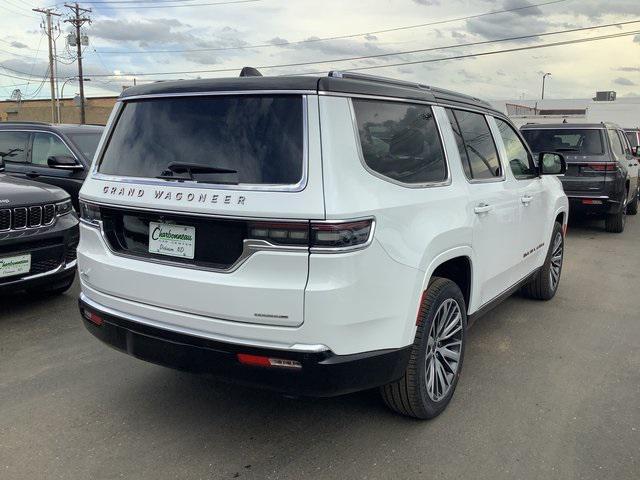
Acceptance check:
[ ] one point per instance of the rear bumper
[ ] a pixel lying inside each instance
(322, 374)
(597, 204)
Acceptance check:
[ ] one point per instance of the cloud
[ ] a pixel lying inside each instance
(277, 41)
(628, 69)
(19, 45)
(510, 24)
(427, 2)
(597, 9)
(624, 81)
(636, 39)
(158, 30)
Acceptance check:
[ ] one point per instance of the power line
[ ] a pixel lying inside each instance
(337, 37)
(363, 57)
(184, 5)
(494, 52)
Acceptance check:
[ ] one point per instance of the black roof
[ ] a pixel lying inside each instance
(338, 82)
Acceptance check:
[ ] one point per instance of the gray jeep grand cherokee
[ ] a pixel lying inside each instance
(602, 169)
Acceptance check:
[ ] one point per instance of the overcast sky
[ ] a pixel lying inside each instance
(137, 34)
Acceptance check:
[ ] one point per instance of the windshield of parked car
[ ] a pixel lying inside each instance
(87, 143)
(258, 136)
(571, 141)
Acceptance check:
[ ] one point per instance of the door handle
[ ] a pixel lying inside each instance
(483, 208)
(32, 174)
(526, 199)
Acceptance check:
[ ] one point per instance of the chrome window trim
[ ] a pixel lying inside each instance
(443, 183)
(298, 347)
(480, 181)
(211, 93)
(255, 187)
(35, 130)
(433, 103)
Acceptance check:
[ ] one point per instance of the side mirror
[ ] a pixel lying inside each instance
(2, 165)
(64, 162)
(635, 151)
(551, 163)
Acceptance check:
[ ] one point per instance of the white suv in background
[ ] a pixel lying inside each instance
(316, 236)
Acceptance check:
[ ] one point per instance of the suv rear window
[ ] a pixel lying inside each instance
(572, 141)
(259, 136)
(400, 141)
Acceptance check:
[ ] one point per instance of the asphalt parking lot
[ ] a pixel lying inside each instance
(549, 390)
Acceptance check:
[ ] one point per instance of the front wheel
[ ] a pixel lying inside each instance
(435, 363)
(544, 284)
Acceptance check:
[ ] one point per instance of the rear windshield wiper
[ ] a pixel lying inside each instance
(181, 171)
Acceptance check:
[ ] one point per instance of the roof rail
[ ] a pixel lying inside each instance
(377, 79)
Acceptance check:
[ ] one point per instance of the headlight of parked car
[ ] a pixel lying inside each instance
(62, 208)
(90, 213)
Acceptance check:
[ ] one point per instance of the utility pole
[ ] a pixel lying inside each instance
(77, 21)
(49, 12)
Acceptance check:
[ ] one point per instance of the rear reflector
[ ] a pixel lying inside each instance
(261, 361)
(92, 317)
(591, 201)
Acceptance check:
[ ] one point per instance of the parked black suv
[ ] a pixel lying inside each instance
(38, 236)
(55, 154)
(602, 170)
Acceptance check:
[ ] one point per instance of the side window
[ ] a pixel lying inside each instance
(46, 145)
(625, 142)
(460, 142)
(480, 150)
(13, 146)
(400, 141)
(616, 145)
(518, 156)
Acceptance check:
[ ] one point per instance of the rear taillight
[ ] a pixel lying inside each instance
(336, 236)
(280, 233)
(600, 167)
(329, 236)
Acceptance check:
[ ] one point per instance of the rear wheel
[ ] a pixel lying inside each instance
(436, 356)
(545, 283)
(615, 223)
(632, 208)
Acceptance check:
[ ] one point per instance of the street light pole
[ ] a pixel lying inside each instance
(543, 79)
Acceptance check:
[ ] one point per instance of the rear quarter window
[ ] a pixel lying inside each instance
(258, 136)
(400, 141)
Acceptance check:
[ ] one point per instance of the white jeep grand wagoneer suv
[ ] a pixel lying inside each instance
(313, 235)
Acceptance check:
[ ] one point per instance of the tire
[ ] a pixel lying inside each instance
(425, 390)
(615, 223)
(632, 207)
(544, 284)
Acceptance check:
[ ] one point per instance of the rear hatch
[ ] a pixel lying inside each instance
(583, 149)
(222, 186)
